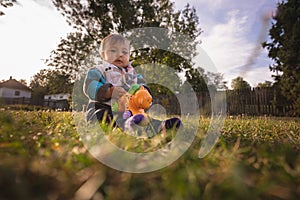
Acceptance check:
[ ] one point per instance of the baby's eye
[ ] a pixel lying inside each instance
(112, 50)
(125, 52)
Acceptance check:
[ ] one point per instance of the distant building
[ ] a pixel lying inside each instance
(14, 92)
(57, 96)
(57, 101)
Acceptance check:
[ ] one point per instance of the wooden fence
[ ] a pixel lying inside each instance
(54, 104)
(258, 101)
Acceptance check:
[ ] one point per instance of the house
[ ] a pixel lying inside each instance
(14, 92)
(57, 101)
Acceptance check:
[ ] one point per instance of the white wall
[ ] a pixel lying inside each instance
(57, 96)
(10, 93)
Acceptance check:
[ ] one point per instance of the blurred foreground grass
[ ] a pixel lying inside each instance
(42, 157)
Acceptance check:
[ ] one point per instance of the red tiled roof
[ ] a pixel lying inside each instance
(14, 84)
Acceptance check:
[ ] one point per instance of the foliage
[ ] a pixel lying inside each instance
(38, 94)
(24, 107)
(53, 80)
(216, 81)
(5, 4)
(202, 81)
(265, 84)
(284, 49)
(48, 81)
(197, 79)
(23, 81)
(92, 20)
(239, 83)
(79, 100)
(161, 79)
(255, 158)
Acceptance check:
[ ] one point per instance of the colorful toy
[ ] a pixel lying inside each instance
(140, 100)
(136, 100)
(133, 105)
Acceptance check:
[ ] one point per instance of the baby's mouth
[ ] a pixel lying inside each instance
(118, 61)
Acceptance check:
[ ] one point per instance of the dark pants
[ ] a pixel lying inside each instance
(102, 112)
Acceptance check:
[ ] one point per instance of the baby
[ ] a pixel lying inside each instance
(111, 80)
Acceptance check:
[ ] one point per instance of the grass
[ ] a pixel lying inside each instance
(42, 157)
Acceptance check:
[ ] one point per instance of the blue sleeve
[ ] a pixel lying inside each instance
(140, 79)
(93, 81)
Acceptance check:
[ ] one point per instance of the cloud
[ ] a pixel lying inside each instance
(226, 44)
(233, 32)
(254, 75)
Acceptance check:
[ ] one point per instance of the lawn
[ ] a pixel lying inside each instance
(42, 157)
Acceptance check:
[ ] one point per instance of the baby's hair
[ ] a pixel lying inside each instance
(113, 38)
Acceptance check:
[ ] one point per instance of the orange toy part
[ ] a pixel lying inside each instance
(140, 101)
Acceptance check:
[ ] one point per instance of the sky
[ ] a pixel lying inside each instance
(29, 31)
(232, 33)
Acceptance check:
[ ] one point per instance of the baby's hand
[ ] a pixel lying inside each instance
(117, 92)
(127, 114)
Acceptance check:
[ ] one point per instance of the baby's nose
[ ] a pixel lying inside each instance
(121, 54)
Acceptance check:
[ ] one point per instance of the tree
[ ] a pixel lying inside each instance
(202, 81)
(165, 82)
(49, 81)
(283, 47)
(216, 81)
(5, 4)
(197, 79)
(53, 80)
(266, 84)
(239, 83)
(23, 81)
(94, 19)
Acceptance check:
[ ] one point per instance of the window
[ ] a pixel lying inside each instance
(17, 93)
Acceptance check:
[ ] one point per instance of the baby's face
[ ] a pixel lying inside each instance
(117, 53)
